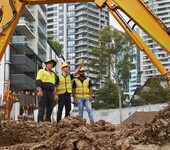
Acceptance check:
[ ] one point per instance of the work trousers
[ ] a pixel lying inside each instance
(85, 102)
(46, 104)
(64, 100)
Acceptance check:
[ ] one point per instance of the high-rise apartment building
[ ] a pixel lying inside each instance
(74, 25)
(162, 9)
(25, 54)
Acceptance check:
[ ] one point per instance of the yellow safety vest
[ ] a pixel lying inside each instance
(64, 84)
(82, 89)
(46, 76)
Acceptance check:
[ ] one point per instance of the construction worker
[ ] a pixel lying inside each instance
(46, 85)
(83, 94)
(64, 89)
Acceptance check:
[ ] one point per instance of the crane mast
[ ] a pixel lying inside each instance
(137, 11)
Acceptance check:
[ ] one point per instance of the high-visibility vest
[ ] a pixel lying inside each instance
(46, 76)
(64, 84)
(82, 88)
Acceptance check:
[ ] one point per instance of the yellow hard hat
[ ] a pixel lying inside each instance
(82, 69)
(65, 65)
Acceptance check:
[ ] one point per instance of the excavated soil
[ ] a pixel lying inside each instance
(73, 133)
(140, 118)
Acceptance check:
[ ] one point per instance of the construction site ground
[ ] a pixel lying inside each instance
(141, 131)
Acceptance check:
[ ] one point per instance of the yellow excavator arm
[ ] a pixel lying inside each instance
(138, 12)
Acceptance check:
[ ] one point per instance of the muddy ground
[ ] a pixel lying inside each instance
(73, 133)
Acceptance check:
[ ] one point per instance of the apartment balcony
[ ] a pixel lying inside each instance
(42, 57)
(28, 11)
(81, 31)
(81, 24)
(93, 20)
(22, 45)
(43, 7)
(81, 13)
(82, 56)
(42, 17)
(25, 28)
(81, 49)
(80, 7)
(79, 19)
(22, 81)
(42, 45)
(42, 30)
(23, 63)
(81, 37)
(93, 27)
(93, 13)
(93, 39)
(93, 7)
(81, 43)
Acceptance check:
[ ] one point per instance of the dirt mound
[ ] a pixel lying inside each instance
(73, 133)
(140, 118)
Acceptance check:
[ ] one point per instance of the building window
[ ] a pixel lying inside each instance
(71, 19)
(72, 62)
(71, 37)
(70, 7)
(71, 31)
(71, 49)
(71, 13)
(70, 55)
(71, 43)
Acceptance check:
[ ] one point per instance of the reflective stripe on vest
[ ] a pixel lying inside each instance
(64, 84)
(82, 89)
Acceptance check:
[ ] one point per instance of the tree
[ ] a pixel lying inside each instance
(155, 94)
(107, 97)
(113, 55)
(107, 93)
(57, 47)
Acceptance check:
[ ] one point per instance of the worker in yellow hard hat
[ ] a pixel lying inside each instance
(65, 65)
(64, 89)
(83, 93)
(46, 85)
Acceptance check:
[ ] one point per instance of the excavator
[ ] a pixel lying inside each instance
(136, 10)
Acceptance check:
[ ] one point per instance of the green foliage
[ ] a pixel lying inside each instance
(155, 94)
(112, 55)
(56, 46)
(112, 60)
(107, 96)
(108, 93)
